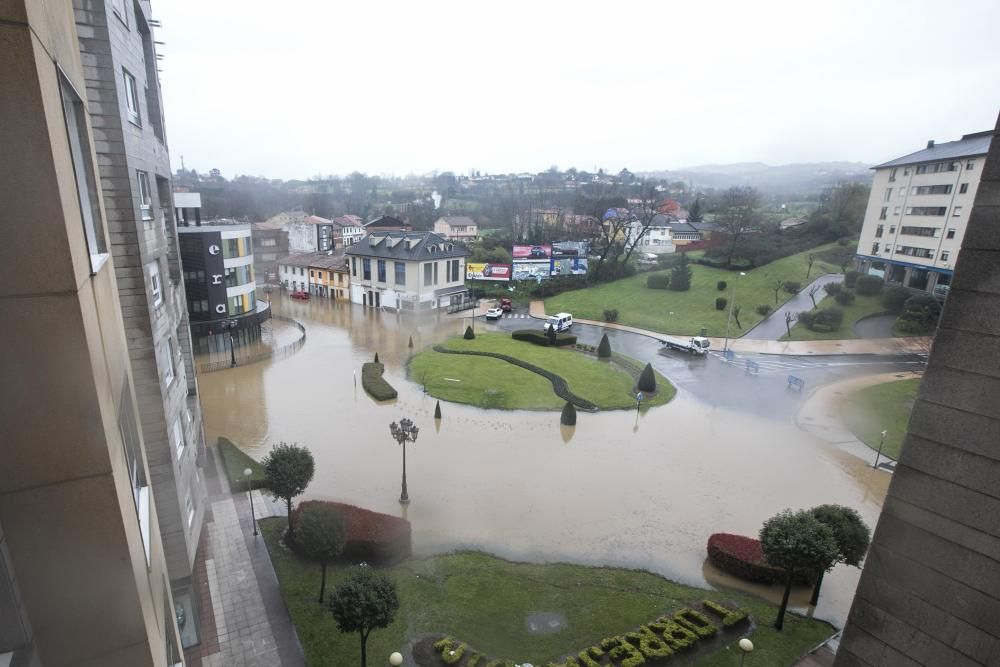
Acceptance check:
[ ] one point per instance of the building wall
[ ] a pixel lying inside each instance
(158, 331)
(929, 593)
(301, 237)
(75, 552)
(413, 289)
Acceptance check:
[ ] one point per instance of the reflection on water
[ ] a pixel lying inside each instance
(642, 491)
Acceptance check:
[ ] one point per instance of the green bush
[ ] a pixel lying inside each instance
(604, 349)
(540, 338)
(236, 461)
(764, 309)
(894, 297)
(833, 289)
(647, 379)
(791, 286)
(730, 617)
(844, 297)
(827, 320)
(374, 383)
(568, 416)
(850, 278)
(721, 285)
(658, 281)
(868, 285)
(376, 357)
(920, 315)
(610, 314)
(469, 335)
(720, 303)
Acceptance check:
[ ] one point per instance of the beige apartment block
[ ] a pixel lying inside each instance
(83, 577)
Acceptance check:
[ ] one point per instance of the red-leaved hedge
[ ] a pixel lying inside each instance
(372, 537)
(741, 557)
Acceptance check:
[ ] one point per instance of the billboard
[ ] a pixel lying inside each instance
(532, 269)
(569, 266)
(532, 251)
(474, 271)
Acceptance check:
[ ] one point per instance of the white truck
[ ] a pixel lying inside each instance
(693, 345)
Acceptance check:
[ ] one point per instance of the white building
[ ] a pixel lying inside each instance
(456, 227)
(408, 271)
(917, 213)
(657, 239)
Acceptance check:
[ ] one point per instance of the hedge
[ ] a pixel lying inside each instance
(236, 461)
(559, 385)
(894, 297)
(720, 303)
(658, 281)
(370, 537)
(764, 309)
(541, 338)
(791, 286)
(844, 297)
(868, 285)
(374, 383)
(604, 348)
(742, 557)
(850, 278)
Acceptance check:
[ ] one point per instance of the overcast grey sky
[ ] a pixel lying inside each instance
(297, 88)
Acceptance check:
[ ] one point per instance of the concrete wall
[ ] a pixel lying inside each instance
(930, 590)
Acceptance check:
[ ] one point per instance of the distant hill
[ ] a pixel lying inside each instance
(802, 178)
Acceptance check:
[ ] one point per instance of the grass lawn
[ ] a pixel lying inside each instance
(236, 462)
(885, 406)
(862, 307)
(483, 600)
(647, 308)
(492, 383)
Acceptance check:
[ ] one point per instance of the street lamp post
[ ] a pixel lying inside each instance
(732, 302)
(253, 517)
(403, 432)
(745, 647)
(638, 401)
(881, 441)
(229, 326)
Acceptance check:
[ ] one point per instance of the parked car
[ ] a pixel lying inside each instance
(559, 322)
(300, 295)
(494, 314)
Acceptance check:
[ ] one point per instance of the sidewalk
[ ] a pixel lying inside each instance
(772, 327)
(910, 345)
(244, 622)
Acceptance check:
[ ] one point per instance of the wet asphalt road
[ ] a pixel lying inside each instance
(762, 390)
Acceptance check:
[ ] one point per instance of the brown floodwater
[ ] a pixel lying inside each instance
(617, 489)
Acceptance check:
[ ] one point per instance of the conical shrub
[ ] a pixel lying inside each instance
(647, 379)
(437, 410)
(468, 333)
(376, 357)
(604, 349)
(411, 343)
(568, 416)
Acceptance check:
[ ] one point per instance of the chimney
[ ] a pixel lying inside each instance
(930, 144)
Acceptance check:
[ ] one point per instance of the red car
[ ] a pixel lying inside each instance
(505, 305)
(300, 295)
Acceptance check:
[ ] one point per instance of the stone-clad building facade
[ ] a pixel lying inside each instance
(930, 590)
(123, 93)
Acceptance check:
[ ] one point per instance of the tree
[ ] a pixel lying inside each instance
(736, 215)
(809, 264)
(788, 322)
(320, 536)
(604, 348)
(778, 283)
(812, 293)
(801, 545)
(920, 314)
(851, 533)
(680, 275)
(736, 316)
(568, 416)
(366, 600)
(288, 470)
(647, 379)
(695, 214)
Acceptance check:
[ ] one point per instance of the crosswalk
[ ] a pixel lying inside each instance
(515, 316)
(776, 365)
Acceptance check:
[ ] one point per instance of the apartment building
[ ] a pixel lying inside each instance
(918, 211)
(270, 244)
(123, 91)
(86, 541)
(317, 273)
(456, 227)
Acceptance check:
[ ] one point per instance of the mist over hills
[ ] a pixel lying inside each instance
(805, 177)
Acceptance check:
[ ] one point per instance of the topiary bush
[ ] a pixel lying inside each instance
(610, 314)
(825, 320)
(658, 281)
(376, 357)
(372, 537)
(844, 297)
(721, 285)
(742, 557)
(374, 383)
(568, 416)
(920, 315)
(540, 338)
(469, 335)
(894, 297)
(764, 309)
(720, 303)
(791, 286)
(833, 289)
(647, 379)
(604, 349)
(850, 278)
(868, 285)
(437, 410)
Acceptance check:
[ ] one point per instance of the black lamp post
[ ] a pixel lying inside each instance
(404, 432)
(246, 473)
(230, 325)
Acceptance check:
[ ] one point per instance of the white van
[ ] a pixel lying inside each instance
(559, 322)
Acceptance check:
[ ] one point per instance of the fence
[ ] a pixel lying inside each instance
(279, 353)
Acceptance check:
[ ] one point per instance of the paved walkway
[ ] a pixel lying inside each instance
(244, 622)
(910, 345)
(773, 326)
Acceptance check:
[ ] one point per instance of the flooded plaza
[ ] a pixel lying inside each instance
(640, 491)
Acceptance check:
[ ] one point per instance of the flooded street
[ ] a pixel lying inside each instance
(619, 490)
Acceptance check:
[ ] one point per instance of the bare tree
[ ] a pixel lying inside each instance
(737, 213)
(642, 217)
(809, 266)
(812, 293)
(777, 288)
(788, 322)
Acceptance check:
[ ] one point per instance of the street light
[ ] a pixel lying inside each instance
(745, 646)
(253, 517)
(881, 441)
(732, 302)
(230, 325)
(404, 432)
(396, 659)
(638, 401)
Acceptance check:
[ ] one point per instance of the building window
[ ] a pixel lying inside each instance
(145, 199)
(906, 171)
(881, 216)
(131, 97)
(435, 273)
(888, 194)
(927, 210)
(190, 509)
(428, 274)
(129, 431)
(354, 266)
(366, 269)
(931, 190)
(919, 231)
(875, 248)
(83, 168)
(945, 254)
(454, 271)
(400, 273)
(312, 274)
(938, 167)
(381, 270)
(963, 188)
(957, 212)
(892, 230)
(879, 230)
(895, 211)
(179, 438)
(118, 6)
(892, 175)
(268, 242)
(154, 283)
(951, 233)
(969, 165)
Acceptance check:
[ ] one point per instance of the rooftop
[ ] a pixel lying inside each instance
(413, 246)
(457, 220)
(977, 143)
(319, 260)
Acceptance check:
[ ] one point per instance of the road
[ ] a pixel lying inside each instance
(773, 326)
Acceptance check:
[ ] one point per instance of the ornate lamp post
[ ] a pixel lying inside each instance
(745, 647)
(404, 432)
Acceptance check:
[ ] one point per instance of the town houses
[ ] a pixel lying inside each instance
(322, 274)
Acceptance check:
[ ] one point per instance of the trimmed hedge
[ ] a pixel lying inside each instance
(658, 281)
(568, 416)
(371, 537)
(791, 286)
(894, 297)
(610, 314)
(647, 379)
(844, 297)
(541, 338)
(868, 285)
(559, 385)
(721, 285)
(469, 335)
(764, 309)
(236, 461)
(850, 278)
(374, 383)
(833, 289)
(742, 557)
